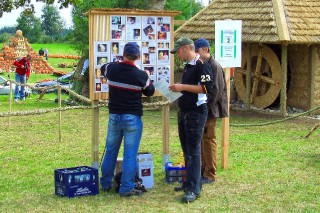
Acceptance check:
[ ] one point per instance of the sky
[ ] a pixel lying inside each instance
(9, 19)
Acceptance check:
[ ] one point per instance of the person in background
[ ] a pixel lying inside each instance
(46, 53)
(197, 81)
(85, 78)
(22, 75)
(41, 52)
(127, 84)
(217, 108)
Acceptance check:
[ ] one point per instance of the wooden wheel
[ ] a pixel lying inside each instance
(265, 76)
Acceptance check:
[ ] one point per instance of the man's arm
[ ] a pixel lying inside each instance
(187, 88)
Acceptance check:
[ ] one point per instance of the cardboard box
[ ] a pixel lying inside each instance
(146, 169)
(76, 181)
(175, 172)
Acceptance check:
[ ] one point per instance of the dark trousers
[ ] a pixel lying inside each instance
(191, 125)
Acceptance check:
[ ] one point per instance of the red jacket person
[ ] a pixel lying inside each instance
(22, 75)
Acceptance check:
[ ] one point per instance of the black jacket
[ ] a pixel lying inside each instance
(127, 84)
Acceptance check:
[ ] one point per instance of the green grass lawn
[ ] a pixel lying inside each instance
(271, 168)
(55, 48)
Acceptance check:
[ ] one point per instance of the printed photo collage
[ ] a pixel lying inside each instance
(153, 36)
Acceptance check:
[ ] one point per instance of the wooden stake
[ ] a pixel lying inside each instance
(95, 135)
(59, 101)
(165, 133)
(225, 125)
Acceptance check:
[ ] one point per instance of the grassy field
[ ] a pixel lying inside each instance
(271, 168)
(55, 48)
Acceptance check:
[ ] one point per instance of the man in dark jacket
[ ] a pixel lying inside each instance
(217, 108)
(197, 81)
(22, 75)
(127, 84)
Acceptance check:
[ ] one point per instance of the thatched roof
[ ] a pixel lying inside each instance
(267, 21)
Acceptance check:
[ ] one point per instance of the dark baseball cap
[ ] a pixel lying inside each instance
(181, 42)
(201, 42)
(132, 48)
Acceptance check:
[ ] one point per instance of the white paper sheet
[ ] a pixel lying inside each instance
(163, 87)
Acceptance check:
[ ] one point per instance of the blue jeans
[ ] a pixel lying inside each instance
(129, 127)
(191, 126)
(19, 91)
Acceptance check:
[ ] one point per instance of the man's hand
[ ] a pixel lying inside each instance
(147, 71)
(176, 87)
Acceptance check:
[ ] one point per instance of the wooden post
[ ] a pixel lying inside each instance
(10, 99)
(283, 93)
(225, 125)
(59, 101)
(95, 135)
(313, 76)
(165, 133)
(248, 77)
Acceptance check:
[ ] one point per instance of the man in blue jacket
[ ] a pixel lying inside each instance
(127, 84)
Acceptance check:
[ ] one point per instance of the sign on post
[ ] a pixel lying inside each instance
(228, 54)
(228, 43)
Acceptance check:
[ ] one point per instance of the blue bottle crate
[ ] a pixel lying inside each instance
(76, 181)
(175, 172)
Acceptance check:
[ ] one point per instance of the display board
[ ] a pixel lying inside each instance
(151, 30)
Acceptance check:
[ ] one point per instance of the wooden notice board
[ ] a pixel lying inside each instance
(109, 30)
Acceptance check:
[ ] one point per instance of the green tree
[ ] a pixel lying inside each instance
(52, 23)
(9, 5)
(30, 26)
(188, 8)
(10, 30)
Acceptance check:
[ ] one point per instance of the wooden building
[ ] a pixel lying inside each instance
(280, 41)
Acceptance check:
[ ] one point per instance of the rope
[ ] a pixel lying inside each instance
(105, 104)
(277, 121)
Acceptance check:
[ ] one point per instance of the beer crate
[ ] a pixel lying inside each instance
(76, 181)
(175, 172)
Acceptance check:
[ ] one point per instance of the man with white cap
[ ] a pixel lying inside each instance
(197, 81)
(127, 84)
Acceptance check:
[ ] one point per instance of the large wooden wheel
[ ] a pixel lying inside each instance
(265, 76)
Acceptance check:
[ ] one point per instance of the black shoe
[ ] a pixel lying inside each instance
(189, 197)
(207, 180)
(180, 188)
(106, 189)
(131, 193)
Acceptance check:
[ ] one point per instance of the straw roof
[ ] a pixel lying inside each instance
(267, 21)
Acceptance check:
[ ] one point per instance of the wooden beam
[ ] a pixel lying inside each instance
(226, 126)
(179, 22)
(281, 20)
(95, 135)
(248, 77)
(313, 70)
(283, 92)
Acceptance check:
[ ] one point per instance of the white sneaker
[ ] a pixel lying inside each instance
(23, 99)
(16, 100)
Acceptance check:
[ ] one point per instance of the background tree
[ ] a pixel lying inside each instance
(30, 26)
(188, 8)
(52, 23)
(8, 5)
